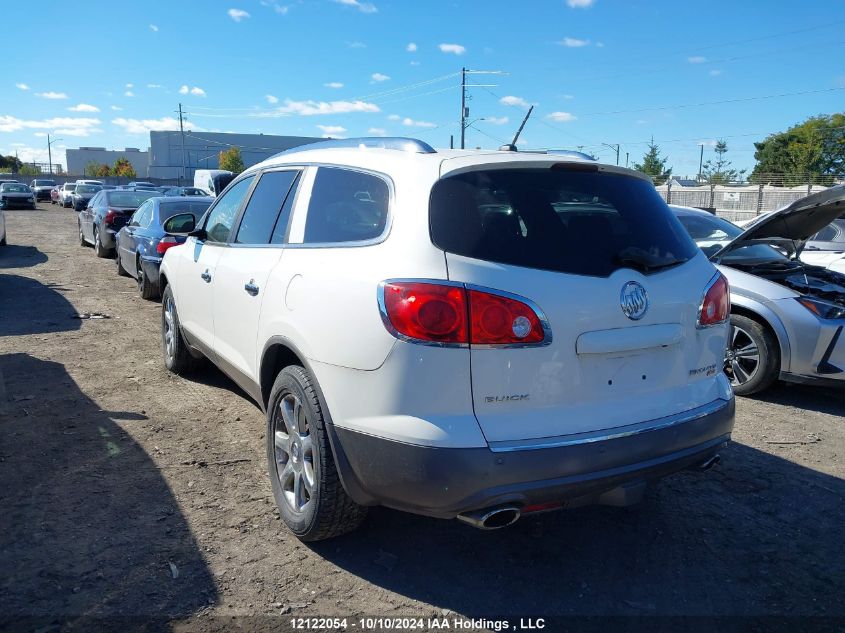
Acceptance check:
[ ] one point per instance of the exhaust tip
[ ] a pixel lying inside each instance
(706, 465)
(492, 519)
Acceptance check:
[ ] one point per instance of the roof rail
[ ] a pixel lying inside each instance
(571, 154)
(399, 143)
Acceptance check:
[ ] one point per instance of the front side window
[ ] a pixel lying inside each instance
(262, 213)
(221, 217)
(563, 220)
(346, 206)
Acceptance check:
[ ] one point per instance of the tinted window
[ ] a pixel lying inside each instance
(45, 183)
(221, 218)
(261, 213)
(833, 232)
(585, 223)
(15, 188)
(280, 232)
(87, 188)
(346, 206)
(169, 209)
(712, 234)
(143, 215)
(129, 199)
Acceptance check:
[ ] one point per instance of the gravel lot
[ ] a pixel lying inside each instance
(126, 491)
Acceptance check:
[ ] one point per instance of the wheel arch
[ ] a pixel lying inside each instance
(769, 320)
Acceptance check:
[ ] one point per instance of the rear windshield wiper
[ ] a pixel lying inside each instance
(642, 260)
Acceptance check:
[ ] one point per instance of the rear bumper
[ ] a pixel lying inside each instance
(444, 482)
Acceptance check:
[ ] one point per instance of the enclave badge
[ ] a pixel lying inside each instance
(634, 300)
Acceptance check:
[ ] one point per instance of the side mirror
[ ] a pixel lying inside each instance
(183, 224)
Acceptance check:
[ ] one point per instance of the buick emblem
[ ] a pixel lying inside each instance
(634, 300)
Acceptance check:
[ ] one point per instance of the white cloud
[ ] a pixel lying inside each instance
(128, 93)
(51, 95)
(715, 73)
(154, 28)
(271, 99)
(334, 84)
(130, 85)
(415, 63)
(411, 47)
(237, 14)
(21, 86)
(84, 107)
(332, 130)
(412, 123)
(379, 77)
(455, 49)
(197, 92)
(153, 85)
(496, 120)
(393, 117)
(377, 131)
(40, 134)
(143, 126)
(511, 100)
(116, 108)
(70, 126)
(281, 9)
(696, 59)
(363, 7)
(600, 44)
(568, 97)
(310, 108)
(356, 45)
(580, 4)
(573, 42)
(561, 117)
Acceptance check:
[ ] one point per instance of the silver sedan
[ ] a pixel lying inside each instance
(787, 316)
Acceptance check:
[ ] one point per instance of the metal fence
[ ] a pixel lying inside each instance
(733, 202)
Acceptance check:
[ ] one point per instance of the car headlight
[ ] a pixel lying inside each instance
(823, 309)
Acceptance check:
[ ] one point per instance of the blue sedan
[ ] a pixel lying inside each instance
(141, 244)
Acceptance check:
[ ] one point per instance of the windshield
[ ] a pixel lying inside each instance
(586, 223)
(68, 186)
(169, 209)
(129, 199)
(87, 188)
(45, 183)
(12, 188)
(831, 237)
(712, 234)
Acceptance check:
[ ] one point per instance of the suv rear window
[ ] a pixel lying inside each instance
(584, 223)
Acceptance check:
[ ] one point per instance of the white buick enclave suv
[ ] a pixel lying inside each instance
(471, 334)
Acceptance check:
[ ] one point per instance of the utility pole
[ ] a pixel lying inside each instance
(613, 146)
(519, 131)
(700, 161)
(463, 106)
(49, 155)
(182, 133)
(626, 159)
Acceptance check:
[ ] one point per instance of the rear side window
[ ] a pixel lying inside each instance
(346, 206)
(262, 211)
(584, 223)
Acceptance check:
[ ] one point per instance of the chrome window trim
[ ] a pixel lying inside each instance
(259, 174)
(709, 285)
(544, 322)
(630, 430)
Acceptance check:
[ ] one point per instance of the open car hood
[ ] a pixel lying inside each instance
(791, 226)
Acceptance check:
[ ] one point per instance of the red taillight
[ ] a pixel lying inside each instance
(165, 243)
(716, 305)
(438, 313)
(111, 214)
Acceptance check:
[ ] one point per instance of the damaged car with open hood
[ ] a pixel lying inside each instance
(787, 316)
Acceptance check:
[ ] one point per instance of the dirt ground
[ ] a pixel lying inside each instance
(126, 491)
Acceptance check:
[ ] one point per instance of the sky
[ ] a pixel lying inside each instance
(599, 72)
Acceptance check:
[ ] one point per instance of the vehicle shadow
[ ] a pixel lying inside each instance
(757, 536)
(811, 397)
(88, 525)
(31, 307)
(16, 256)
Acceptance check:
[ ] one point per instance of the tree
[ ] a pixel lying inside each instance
(27, 169)
(231, 160)
(96, 170)
(720, 171)
(808, 152)
(122, 167)
(653, 165)
(12, 163)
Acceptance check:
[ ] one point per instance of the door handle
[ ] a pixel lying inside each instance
(251, 288)
(206, 277)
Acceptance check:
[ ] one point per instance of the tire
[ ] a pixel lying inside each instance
(146, 288)
(82, 241)
(99, 249)
(121, 271)
(3, 241)
(752, 361)
(177, 357)
(299, 458)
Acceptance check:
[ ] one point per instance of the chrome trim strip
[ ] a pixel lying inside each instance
(613, 434)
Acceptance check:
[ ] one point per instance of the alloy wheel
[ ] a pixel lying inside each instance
(742, 359)
(169, 329)
(294, 451)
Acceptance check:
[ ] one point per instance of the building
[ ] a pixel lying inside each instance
(202, 149)
(77, 159)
